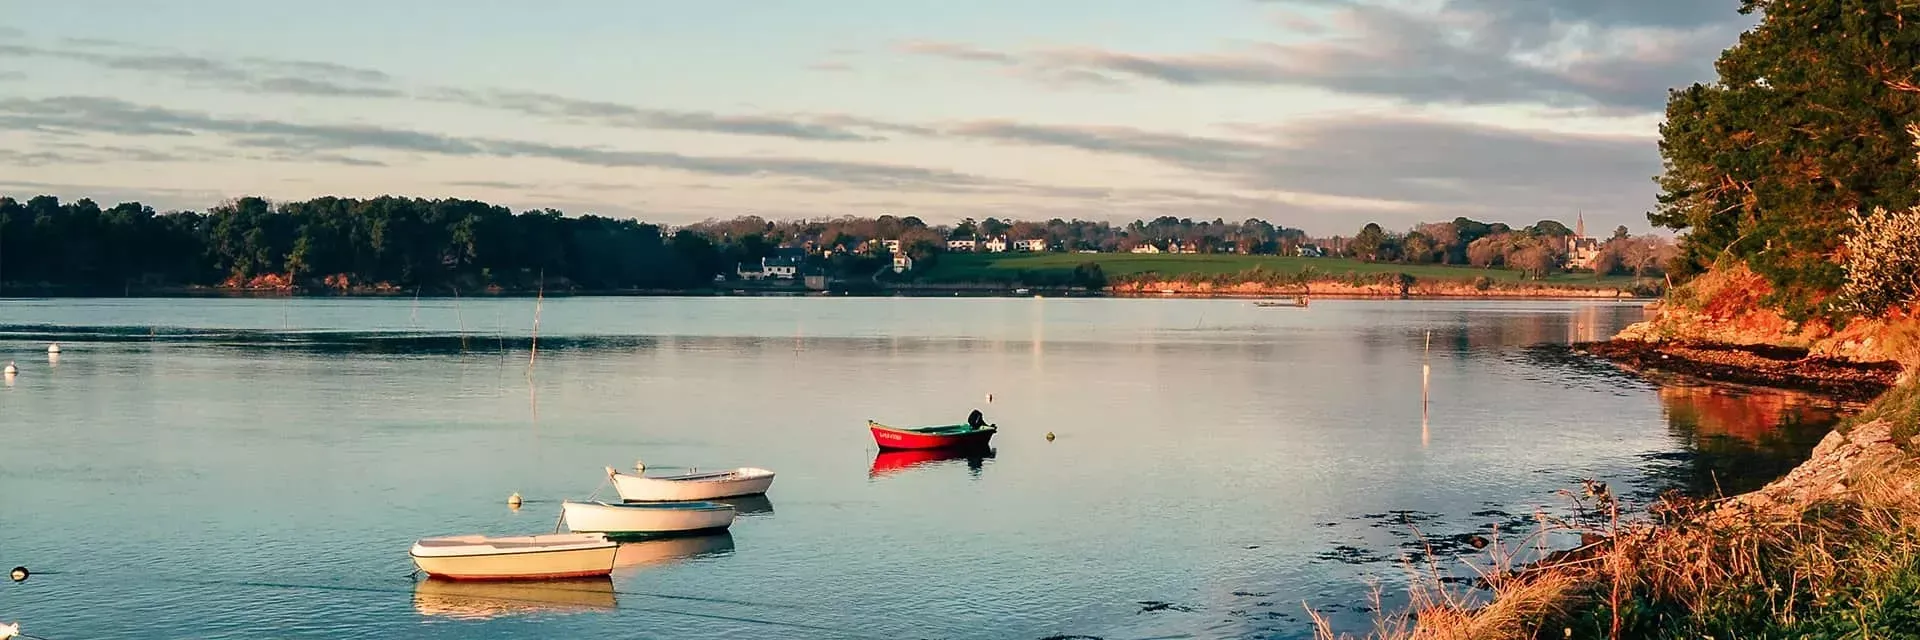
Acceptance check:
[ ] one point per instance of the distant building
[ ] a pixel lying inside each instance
(1310, 251)
(1183, 247)
(902, 263)
(997, 245)
(1582, 251)
(1147, 248)
(968, 244)
(784, 264)
(1034, 245)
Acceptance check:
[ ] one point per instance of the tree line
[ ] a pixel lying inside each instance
(449, 245)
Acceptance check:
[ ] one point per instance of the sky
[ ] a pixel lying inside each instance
(1315, 114)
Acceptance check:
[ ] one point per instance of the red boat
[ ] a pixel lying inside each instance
(958, 436)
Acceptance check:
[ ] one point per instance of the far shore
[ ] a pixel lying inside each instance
(1324, 291)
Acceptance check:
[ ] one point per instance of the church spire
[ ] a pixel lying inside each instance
(1580, 224)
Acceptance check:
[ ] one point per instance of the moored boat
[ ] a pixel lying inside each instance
(646, 519)
(1296, 302)
(477, 557)
(744, 481)
(958, 436)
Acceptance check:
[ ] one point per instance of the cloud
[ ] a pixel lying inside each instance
(492, 184)
(1422, 165)
(1615, 57)
(619, 115)
(831, 67)
(324, 79)
(251, 75)
(956, 51)
(79, 114)
(12, 76)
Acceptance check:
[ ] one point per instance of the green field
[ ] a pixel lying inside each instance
(1001, 267)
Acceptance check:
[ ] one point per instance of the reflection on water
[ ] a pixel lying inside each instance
(666, 551)
(754, 506)
(889, 462)
(1741, 438)
(470, 600)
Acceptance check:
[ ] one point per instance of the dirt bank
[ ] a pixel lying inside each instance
(1763, 365)
(1343, 289)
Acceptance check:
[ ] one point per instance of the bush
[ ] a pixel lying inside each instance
(1882, 260)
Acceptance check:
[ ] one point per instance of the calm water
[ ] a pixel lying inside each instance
(258, 468)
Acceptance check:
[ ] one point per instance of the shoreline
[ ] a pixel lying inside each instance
(911, 291)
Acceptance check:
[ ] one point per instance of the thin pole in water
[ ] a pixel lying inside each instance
(414, 320)
(461, 319)
(1426, 373)
(540, 295)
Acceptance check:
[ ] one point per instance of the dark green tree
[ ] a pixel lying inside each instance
(1805, 123)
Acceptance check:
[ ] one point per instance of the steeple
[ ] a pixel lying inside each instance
(1580, 225)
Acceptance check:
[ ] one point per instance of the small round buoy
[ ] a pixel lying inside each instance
(53, 348)
(1049, 436)
(989, 397)
(19, 574)
(639, 465)
(11, 370)
(513, 500)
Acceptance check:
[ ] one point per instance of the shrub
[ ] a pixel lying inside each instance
(1882, 260)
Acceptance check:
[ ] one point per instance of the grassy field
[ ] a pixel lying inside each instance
(990, 267)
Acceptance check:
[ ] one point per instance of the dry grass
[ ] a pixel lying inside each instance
(1836, 567)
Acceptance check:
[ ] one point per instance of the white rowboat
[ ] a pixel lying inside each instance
(744, 481)
(646, 519)
(477, 557)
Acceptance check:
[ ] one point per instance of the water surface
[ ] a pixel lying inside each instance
(257, 468)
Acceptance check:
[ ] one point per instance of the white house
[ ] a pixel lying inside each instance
(902, 263)
(997, 245)
(963, 245)
(893, 246)
(1034, 245)
(1147, 248)
(777, 267)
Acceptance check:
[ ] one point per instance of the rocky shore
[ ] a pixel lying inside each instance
(1762, 365)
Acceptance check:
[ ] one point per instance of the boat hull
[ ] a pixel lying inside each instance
(578, 561)
(903, 439)
(745, 481)
(647, 519)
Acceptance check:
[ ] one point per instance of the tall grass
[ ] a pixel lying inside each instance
(1842, 566)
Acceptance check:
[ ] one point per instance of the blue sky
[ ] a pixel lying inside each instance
(1319, 114)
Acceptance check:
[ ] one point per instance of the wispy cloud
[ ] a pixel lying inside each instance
(1423, 164)
(256, 75)
(1617, 56)
(611, 114)
(492, 184)
(79, 114)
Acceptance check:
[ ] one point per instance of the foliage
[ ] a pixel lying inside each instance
(1882, 260)
(432, 244)
(1804, 125)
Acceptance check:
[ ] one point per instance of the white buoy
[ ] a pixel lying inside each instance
(11, 370)
(1049, 436)
(514, 500)
(989, 398)
(19, 574)
(639, 466)
(53, 348)
(9, 630)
